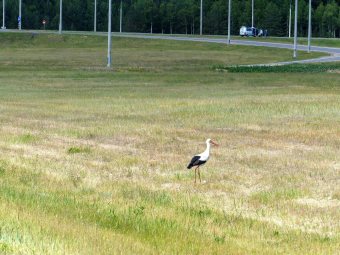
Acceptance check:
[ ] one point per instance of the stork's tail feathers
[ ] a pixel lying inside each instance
(193, 161)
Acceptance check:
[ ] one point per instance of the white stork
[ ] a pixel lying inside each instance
(201, 159)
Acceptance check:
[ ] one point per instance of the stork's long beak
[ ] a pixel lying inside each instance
(212, 142)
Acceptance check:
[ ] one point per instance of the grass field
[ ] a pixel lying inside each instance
(93, 161)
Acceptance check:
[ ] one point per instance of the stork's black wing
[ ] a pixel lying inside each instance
(195, 160)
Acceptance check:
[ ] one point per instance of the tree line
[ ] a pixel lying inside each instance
(177, 16)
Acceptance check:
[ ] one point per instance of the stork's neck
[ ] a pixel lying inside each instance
(207, 150)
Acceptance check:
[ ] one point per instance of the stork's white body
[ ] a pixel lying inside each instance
(201, 159)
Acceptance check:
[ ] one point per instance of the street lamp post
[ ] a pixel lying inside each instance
(309, 25)
(201, 18)
(229, 18)
(290, 20)
(19, 18)
(252, 13)
(60, 16)
(3, 15)
(109, 35)
(121, 17)
(95, 16)
(295, 29)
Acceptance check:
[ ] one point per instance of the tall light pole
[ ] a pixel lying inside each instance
(201, 18)
(19, 18)
(121, 17)
(252, 13)
(229, 18)
(290, 20)
(309, 24)
(95, 16)
(3, 15)
(109, 35)
(60, 16)
(295, 29)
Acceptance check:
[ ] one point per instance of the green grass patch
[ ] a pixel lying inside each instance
(144, 195)
(25, 139)
(268, 197)
(76, 150)
(5, 248)
(2, 168)
(73, 52)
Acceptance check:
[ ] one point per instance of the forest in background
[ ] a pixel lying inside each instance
(177, 16)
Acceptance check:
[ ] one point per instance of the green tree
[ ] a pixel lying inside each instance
(271, 21)
(318, 19)
(170, 14)
(216, 18)
(330, 18)
(180, 16)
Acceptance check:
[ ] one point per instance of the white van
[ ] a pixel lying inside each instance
(243, 31)
(246, 31)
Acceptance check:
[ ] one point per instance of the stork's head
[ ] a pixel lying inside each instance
(209, 141)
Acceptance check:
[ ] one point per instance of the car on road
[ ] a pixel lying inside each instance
(246, 31)
(252, 31)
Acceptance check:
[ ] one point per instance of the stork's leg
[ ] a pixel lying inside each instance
(199, 174)
(195, 173)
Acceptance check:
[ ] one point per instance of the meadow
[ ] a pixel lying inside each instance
(93, 160)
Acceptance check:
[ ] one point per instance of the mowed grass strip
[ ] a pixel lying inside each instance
(93, 160)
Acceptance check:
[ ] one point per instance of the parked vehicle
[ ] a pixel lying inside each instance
(246, 31)
(252, 31)
(262, 32)
(243, 31)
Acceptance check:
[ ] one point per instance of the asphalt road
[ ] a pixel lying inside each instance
(333, 52)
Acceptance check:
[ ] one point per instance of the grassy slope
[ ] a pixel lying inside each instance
(93, 161)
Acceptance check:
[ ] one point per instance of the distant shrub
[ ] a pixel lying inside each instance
(292, 68)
